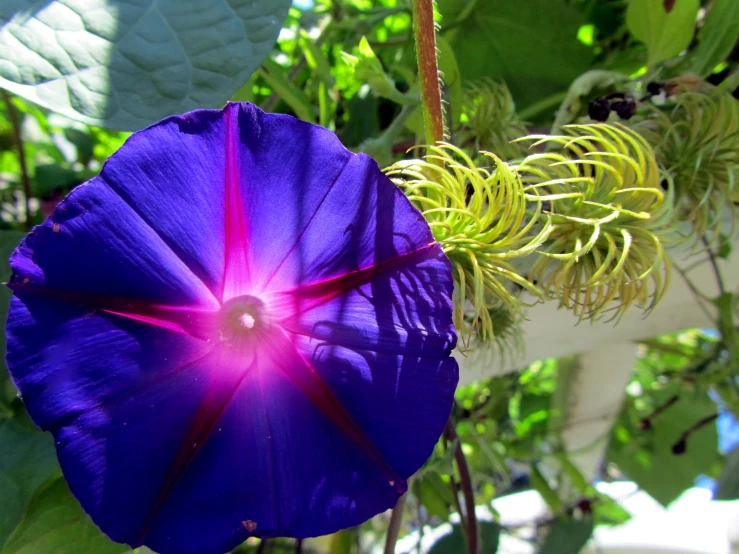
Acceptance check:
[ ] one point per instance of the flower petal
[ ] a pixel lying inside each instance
(362, 221)
(173, 176)
(67, 359)
(277, 466)
(123, 458)
(288, 169)
(176, 425)
(383, 350)
(95, 244)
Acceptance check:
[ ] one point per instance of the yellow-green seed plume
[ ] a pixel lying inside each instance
(696, 141)
(610, 215)
(490, 122)
(483, 219)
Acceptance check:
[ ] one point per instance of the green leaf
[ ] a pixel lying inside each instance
(567, 537)
(49, 177)
(530, 45)
(451, 78)
(8, 241)
(341, 542)
(573, 472)
(54, 523)
(316, 59)
(727, 487)
(665, 34)
(26, 460)
(726, 304)
(435, 495)
(606, 511)
(540, 484)
(318, 64)
(368, 68)
(84, 143)
(362, 121)
(717, 36)
(725, 244)
(274, 74)
(125, 64)
(647, 458)
(454, 542)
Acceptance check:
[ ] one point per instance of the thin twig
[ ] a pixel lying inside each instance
(458, 506)
(25, 177)
(465, 479)
(680, 446)
(421, 524)
(269, 104)
(714, 264)
(646, 421)
(698, 295)
(447, 442)
(393, 529)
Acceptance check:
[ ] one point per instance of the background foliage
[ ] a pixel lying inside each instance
(77, 81)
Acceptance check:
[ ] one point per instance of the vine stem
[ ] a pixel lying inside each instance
(20, 147)
(393, 529)
(428, 70)
(465, 480)
(714, 265)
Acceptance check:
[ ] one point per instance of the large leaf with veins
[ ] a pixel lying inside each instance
(125, 64)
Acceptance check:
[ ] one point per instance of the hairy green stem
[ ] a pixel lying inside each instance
(428, 70)
(393, 529)
(21, 149)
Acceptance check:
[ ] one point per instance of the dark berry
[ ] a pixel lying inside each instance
(680, 447)
(654, 88)
(599, 109)
(624, 108)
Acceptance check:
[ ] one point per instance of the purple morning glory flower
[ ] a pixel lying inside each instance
(239, 328)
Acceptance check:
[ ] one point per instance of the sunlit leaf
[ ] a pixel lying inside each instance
(435, 495)
(717, 36)
(665, 32)
(647, 457)
(123, 64)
